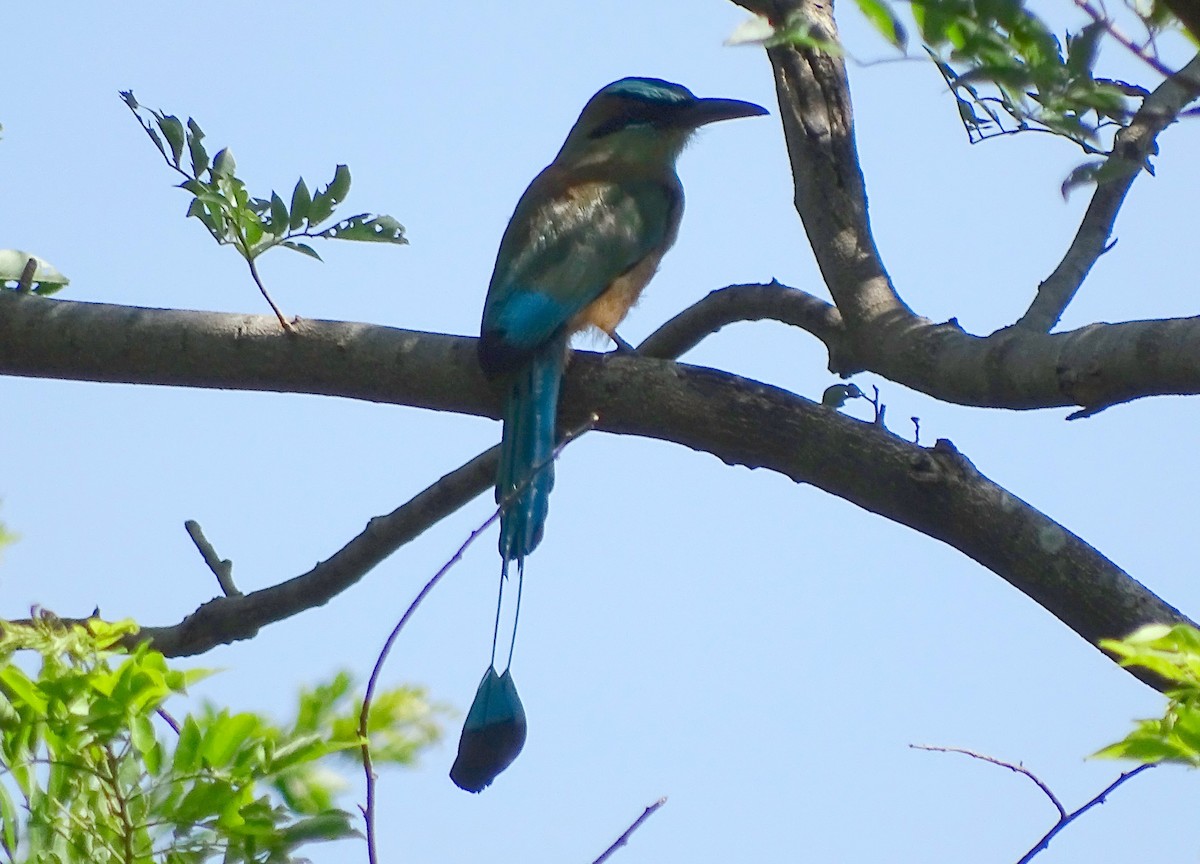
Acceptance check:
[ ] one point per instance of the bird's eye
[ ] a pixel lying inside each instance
(633, 114)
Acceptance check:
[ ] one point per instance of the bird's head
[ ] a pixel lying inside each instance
(644, 119)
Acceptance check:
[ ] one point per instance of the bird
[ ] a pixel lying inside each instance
(585, 238)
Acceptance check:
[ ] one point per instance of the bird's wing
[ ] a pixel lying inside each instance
(563, 247)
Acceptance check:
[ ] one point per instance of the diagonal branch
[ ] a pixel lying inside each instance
(228, 619)
(936, 491)
(1064, 818)
(1132, 147)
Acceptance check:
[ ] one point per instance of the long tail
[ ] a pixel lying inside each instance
(526, 449)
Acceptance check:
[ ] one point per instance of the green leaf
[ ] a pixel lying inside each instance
(366, 227)
(303, 248)
(196, 151)
(141, 734)
(340, 187)
(331, 825)
(22, 691)
(1082, 48)
(224, 164)
(306, 748)
(324, 202)
(8, 821)
(187, 750)
(279, 216)
(883, 18)
(226, 736)
(197, 209)
(301, 201)
(172, 130)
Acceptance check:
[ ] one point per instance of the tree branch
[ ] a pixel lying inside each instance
(1064, 818)
(752, 302)
(935, 491)
(1092, 367)
(880, 332)
(1132, 147)
(228, 619)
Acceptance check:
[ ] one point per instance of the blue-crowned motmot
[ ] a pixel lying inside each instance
(584, 240)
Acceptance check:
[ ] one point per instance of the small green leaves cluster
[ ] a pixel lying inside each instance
(92, 768)
(1173, 653)
(1009, 72)
(253, 225)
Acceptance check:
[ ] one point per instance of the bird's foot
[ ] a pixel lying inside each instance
(623, 347)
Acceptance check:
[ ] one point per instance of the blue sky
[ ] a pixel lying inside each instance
(758, 651)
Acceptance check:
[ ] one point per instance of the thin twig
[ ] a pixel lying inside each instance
(1064, 818)
(364, 715)
(258, 281)
(637, 823)
(168, 719)
(222, 568)
(1071, 817)
(1019, 769)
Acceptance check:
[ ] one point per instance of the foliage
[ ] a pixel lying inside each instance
(1174, 654)
(1009, 71)
(253, 225)
(92, 769)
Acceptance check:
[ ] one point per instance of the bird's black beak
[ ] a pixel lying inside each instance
(711, 110)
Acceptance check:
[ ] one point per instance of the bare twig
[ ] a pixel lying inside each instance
(1075, 814)
(263, 289)
(221, 568)
(1132, 146)
(1019, 769)
(25, 283)
(1064, 818)
(624, 838)
(364, 716)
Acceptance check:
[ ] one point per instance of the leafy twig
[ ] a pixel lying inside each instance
(254, 225)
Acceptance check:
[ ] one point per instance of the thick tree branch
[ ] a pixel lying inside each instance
(1132, 147)
(1097, 365)
(936, 491)
(880, 332)
(831, 197)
